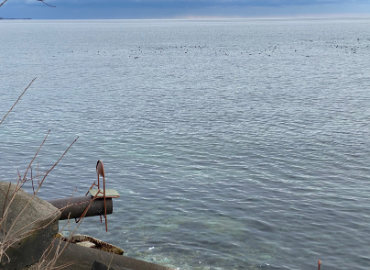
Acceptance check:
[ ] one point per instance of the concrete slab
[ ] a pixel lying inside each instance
(28, 224)
(109, 193)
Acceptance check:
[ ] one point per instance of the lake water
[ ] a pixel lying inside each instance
(234, 144)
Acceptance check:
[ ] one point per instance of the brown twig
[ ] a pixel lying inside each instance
(3, 3)
(6, 198)
(30, 200)
(58, 252)
(56, 163)
(29, 165)
(87, 208)
(7, 208)
(33, 188)
(12, 238)
(110, 263)
(46, 3)
(37, 0)
(15, 103)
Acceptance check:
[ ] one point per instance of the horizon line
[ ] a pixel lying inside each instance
(199, 17)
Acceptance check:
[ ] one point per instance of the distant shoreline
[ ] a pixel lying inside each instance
(15, 18)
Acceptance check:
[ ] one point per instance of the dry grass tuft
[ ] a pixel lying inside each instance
(10, 233)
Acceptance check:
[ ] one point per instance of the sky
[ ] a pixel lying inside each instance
(148, 9)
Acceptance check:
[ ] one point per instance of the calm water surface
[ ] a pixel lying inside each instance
(235, 144)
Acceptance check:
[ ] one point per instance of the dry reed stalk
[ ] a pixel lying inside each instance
(17, 234)
(11, 237)
(110, 263)
(50, 264)
(44, 263)
(15, 103)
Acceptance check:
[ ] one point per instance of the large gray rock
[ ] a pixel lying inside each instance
(28, 223)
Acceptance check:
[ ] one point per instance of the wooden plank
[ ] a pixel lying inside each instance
(109, 193)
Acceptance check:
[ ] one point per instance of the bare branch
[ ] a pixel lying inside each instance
(3, 3)
(30, 200)
(19, 96)
(37, 0)
(46, 3)
(6, 198)
(24, 177)
(55, 164)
